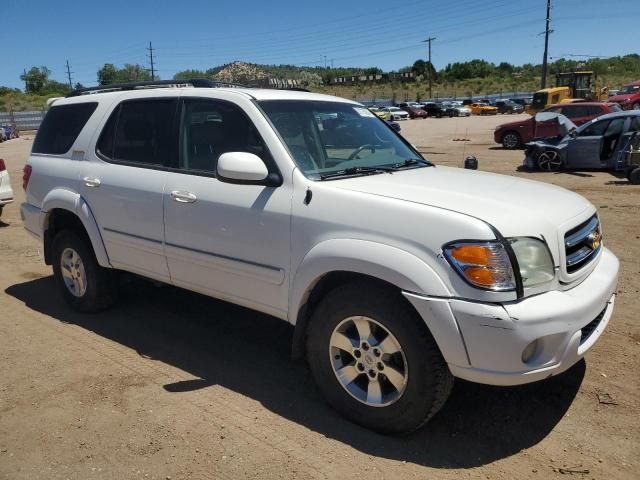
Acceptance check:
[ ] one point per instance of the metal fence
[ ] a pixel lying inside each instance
(23, 120)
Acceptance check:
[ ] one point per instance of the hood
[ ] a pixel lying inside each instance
(623, 98)
(515, 206)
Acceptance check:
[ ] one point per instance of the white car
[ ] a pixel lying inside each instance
(396, 274)
(461, 109)
(395, 113)
(6, 193)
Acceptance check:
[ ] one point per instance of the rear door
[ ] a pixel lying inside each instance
(585, 149)
(124, 183)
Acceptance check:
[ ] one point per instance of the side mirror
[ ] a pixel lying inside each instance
(573, 133)
(241, 167)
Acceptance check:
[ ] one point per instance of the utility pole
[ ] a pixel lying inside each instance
(547, 31)
(69, 75)
(325, 62)
(153, 72)
(429, 40)
(25, 80)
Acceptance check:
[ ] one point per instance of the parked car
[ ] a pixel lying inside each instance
(601, 143)
(514, 135)
(507, 106)
(397, 275)
(458, 109)
(628, 97)
(395, 113)
(436, 110)
(10, 131)
(483, 109)
(6, 193)
(632, 159)
(3, 135)
(413, 111)
(379, 112)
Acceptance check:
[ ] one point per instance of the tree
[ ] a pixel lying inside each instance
(36, 79)
(189, 74)
(310, 79)
(78, 86)
(107, 74)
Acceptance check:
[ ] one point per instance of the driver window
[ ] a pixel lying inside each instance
(615, 127)
(209, 128)
(596, 129)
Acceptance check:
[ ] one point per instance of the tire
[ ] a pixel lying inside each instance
(88, 287)
(549, 161)
(511, 140)
(634, 176)
(1, 208)
(636, 106)
(397, 410)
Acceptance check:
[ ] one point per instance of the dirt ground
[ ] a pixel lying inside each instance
(171, 384)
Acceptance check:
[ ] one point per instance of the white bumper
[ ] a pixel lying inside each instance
(6, 193)
(566, 324)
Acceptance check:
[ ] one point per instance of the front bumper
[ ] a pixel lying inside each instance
(564, 325)
(6, 193)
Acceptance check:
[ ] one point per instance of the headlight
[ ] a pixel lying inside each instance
(482, 264)
(534, 261)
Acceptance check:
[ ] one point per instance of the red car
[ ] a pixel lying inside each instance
(515, 134)
(628, 97)
(414, 112)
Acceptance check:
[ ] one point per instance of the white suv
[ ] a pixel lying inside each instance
(397, 274)
(6, 193)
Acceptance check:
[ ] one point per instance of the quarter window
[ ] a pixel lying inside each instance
(61, 127)
(210, 128)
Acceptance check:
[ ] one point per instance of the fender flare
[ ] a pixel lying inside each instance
(73, 202)
(391, 264)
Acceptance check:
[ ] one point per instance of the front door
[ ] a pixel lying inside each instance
(584, 150)
(230, 241)
(124, 181)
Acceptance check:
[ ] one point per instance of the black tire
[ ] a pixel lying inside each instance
(634, 176)
(101, 283)
(511, 140)
(429, 383)
(636, 106)
(1, 208)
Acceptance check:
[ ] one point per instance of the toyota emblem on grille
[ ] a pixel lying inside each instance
(594, 239)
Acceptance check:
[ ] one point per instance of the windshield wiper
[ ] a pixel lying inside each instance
(410, 162)
(357, 171)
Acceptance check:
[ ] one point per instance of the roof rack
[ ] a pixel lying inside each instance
(114, 87)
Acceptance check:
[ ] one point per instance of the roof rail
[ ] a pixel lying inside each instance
(114, 87)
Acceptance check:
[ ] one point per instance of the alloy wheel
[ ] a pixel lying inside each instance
(73, 272)
(549, 160)
(510, 140)
(368, 361)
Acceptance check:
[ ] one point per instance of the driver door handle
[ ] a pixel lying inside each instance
(183, 197)
(91, 182)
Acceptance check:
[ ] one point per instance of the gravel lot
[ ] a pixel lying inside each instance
(171, 384)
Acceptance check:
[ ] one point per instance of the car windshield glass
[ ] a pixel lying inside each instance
(330, 137)
(627, 89)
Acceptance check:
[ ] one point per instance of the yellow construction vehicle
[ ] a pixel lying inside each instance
(570, 87)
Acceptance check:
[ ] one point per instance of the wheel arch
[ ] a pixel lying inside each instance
(66, 209)
(335, 262)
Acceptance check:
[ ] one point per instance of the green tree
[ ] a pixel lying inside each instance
(107, 74)
(189, 74)
(36, 79)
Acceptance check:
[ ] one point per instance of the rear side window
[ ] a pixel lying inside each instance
(61, 127)
(140, 132)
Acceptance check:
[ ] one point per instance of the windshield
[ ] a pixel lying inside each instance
(627, 89)
(329, 137)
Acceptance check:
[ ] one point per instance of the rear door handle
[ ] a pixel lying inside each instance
(183, 197)
(91, 182)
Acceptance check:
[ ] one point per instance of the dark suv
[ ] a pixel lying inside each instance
(515, 134)
(507, 106)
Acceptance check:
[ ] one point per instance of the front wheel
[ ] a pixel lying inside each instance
(85, 285)
(374, 360)
(511, 140)
(634, 176)
(636, 106)
(549, 160)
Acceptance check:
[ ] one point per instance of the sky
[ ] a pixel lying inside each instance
(199, 34)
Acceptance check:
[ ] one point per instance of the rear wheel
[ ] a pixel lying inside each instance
(511, 140)
(634, 176)
(636, 106)
(374, 360)
(549, 160)
(85, 285)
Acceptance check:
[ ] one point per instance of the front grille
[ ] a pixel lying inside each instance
(589, 328)
(582, 244)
